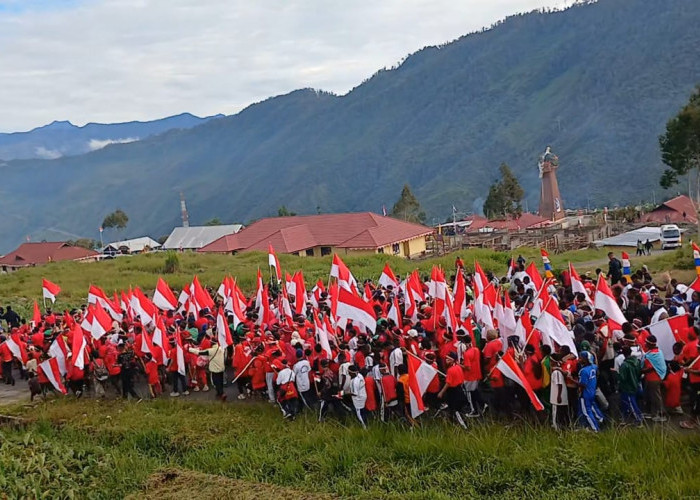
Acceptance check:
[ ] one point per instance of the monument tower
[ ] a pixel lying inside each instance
(551, 206)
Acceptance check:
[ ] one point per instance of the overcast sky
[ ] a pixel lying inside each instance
(119, 60)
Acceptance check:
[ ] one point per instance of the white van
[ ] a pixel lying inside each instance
(670, 236)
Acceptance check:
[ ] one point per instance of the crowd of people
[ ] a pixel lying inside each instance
(305, 357)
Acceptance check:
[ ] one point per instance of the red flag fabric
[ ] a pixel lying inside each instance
(300, 292)
(49, 290)
(223, 333)
(51, 371)
(388, 277)
(605, 301)
(509, 368)
(163, 297)
(534, 275)
(350, 306)
(36, 315)
(420, 375)
(273, 261)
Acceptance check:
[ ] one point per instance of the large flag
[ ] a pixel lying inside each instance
(552, 327)
(273, 261)
(96, 294)
(222, 331)
(547, 265)
(420, 374)
(605, 301)
(626, 268)
(350, 306)
(341, 272)
(52, 372)
(163, 297)
(49, 290)
(388, 277)
(100, 323)
(201, 297)
(668, 332)
(509, 368)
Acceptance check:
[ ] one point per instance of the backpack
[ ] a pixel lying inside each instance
(100, 370)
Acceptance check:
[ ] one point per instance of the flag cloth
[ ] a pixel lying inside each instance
(101, 322)
(420, 374)
(668, 332)
(58, 350)
(36, 315)
(350, 306)
(577, 284)
(300, 292)
(163, 297)
(605, 301)
(273, 261)
(626, 266)
(552, 327)
(511, 269)
(52, 372)
(160, 339)
(78, 346)
(547, 265)
(180, 355)
(534, 275)
(49, 290)
(696, 257)
(509, 368)
(223, 333)
(388, 277)
(17, 348)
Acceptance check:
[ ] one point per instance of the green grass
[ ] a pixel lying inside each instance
(109, 449)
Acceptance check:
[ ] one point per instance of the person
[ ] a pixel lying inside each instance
(654, 371)
(358, 392)
(672, 388)
(452, 391)
(648, 245)
(628, 378)
(329, 392)
(589, 413)
(127, 362)
(287, 394)
(558, 394)
(302, 371)
(614, 268)
(217, 365)
(471, 366)
(6, 358)
(640, 248)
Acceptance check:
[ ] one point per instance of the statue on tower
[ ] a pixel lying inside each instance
(551, 206)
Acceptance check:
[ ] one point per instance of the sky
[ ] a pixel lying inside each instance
(111, 61)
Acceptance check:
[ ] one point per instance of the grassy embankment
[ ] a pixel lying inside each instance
(111, 449)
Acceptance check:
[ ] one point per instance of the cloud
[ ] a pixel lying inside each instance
(47, 154)
(121, 60)
(96, 144)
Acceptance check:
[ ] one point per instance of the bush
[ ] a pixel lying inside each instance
(172, 263)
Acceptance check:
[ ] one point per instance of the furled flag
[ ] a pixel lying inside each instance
(78, 346)
(49, 290)
(626, 266)
(388, 277)
(460, 297)
(523, 328)
(509, 368)
(160, 339)
(547, 265)
(180, 355)
(322, 336)
(163, 297)
(52, 372)
(36, 314)
(223, 332)
(147, 344)
(668, 332)
(534, 275)
(350, 306)
(605, 301)
(299, 292)
(420, 374)
(552, 327)
(395, 313)
(384, 210)
(273, 261)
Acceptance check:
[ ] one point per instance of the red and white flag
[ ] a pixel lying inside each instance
(36, 315)
(388, 278)
(163, 297)
(160, 338)
(350, 306)
(78, 346)
(299, 292)
(509, 368)
(534, 275)
(146, 343)
(17, 348)
(52, 372)
(58, 350)
(605, 301)
(180, 355)
(577, 284)
(49, 290)
(96, 294)
(668, 332)
(273, 261)
(395, 313)
(223, 334)
(460, 294)
(552, 327)
(101, 322)
(341, 272)
(420, 375)
(322, 336)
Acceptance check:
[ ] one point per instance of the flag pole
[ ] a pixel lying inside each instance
(244, 369)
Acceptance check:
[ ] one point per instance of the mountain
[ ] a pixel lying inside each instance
(597, 82)
(62, 138)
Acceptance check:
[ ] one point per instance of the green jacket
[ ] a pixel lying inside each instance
(629, 376)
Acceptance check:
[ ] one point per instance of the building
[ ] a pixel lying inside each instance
(34, 254)
(132, 246)
(678, 210)
(196, 237)
(477, 224)
(320, 235)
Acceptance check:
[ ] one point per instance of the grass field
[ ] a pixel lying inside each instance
(166, 449)
(21, 288)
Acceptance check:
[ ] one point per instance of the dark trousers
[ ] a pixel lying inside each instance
(7, 373)
(309, 398)
(179, 382)
(128, 384)
(218, 381)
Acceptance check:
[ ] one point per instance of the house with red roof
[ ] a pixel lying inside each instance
(674, 211)
(478, 224)
(320, 235)
(35, 254)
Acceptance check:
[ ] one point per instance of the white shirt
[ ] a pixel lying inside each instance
(358, 391)
(618, 362)
(301, 373)
(285, 376)
(556, 381)
(658, 313)
(343, 372)
(395, 359)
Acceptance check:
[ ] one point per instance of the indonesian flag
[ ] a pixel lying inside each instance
(507, 322)
(17, 348)
(367, 296)
(316, 292)
(577, 284)
(96, 294)
(49, 290)
(36, 315)
(350, 306)
(460, 297)
(223, 333)
(547, 265)
(523, 328)
(511, 269)
(552, 327)
(420, 374)
(146, 343)
(58, 350)
(299, 292)
(285, 310)
(78, 346)
(395, 313)
(388, 278)
(52, 372)
(534, 275)
(509, 368)
(668, 332)
(341, 272)
(201, 297)
(274, 262)
(180, 355)
(160, 339)
(237, 308)
(163, 297)
(605, 301)
(626, 271)
(322, 336)
(479, 278)
(101, 322)
(147, 310)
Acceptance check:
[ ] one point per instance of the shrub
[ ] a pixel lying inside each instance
(172, 263)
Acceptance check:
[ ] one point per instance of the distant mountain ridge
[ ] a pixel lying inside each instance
(62, 138)
(596, 82)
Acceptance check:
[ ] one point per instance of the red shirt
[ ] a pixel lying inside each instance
(5, 353)
(672, 384)
(472, 364)
(490, 352)
(152, 372)
(455, 376)
(651, 375)
(371, 403)
(529, 372)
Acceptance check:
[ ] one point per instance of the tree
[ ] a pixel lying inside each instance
(680, 145)
(283, 212)
(117, 219)
(408, 207)
(88, 243)
(505, 196)
(213, 222)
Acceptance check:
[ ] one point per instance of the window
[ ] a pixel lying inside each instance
(395, 248)
(380, 250)
(309, 252)
(325, 251)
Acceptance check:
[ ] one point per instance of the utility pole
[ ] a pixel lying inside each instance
(183, 211)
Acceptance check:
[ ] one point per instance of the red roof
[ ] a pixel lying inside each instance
(29, 254)
(672, 211)
(526, 220)
(293, 234)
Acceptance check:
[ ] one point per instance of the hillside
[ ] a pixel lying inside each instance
(597, 82)
(62, 138)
